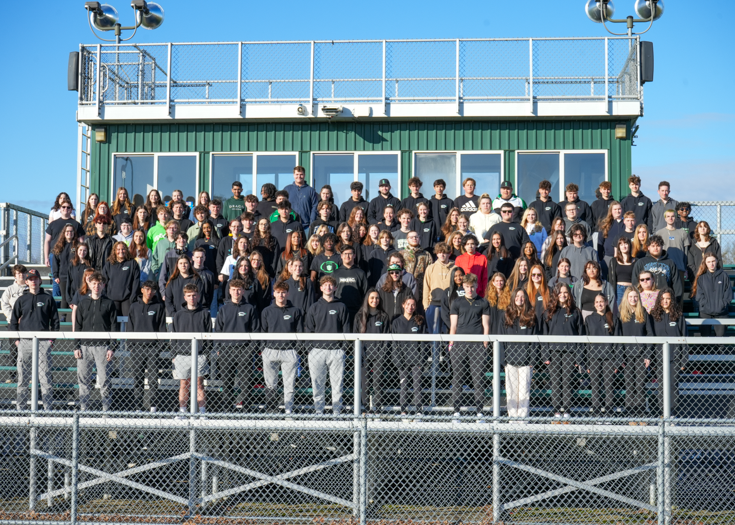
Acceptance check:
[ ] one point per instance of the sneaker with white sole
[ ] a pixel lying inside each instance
(480, 418)
(456, 420)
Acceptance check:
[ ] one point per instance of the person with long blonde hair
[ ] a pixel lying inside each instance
(498, 296)
(703, 243)
(712, 294)
(535, 230)
(640, 241)
(450, 225)
(520, 275)
(635, 322)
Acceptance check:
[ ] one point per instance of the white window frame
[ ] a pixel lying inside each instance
(458, 166)
(562, 175)
(156, 156)
(255, 155)
(355, 154)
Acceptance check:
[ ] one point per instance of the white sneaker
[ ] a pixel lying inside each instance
(181, 416)
(153, 409)
(456, 421)
(404, 418)
(481, 418)
(566, 415)
(288, 416)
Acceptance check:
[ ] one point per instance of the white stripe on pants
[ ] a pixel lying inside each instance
(25, 361)
(319, 361)
(288, 360)
(518, 390)
(98, 355)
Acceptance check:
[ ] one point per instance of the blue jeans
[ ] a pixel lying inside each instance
(619, 293)
(55, 288)
(434, 319)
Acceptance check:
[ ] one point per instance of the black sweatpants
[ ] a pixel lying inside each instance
(407, 359)
(470, 356)
(706, 331)
(635, 384)
(602, 377)
(234, 358)
(372, 359)
(122, 307)
(144, 356)
(563, 379)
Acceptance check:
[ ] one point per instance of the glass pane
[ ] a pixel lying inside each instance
(586, 170)
(226, 169)
(532, 169)
(336, 170)
(135, 174)
(178, 173)
(276, 169)
(372, 168)
(432, 166)
(485, 169)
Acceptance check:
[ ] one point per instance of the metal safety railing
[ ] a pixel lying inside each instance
(65, 466)
(369, 71)
(22, 235)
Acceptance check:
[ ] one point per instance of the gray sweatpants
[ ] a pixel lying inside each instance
(25, 360)
(96, 355)
(321, 360)
(288, 361)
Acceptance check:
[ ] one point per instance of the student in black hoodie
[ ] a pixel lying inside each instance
(199, 265)
(383, 200)
(181, 247)
(79, 262)
(236, 316)
(323, 211)
(469, 315)
(351, 282)
(415, 198)
(371, 319)
(520, 319)
(355, 200)
(95, 313)
(668, 321)
(394, 291)
(634, 321)
(603, 360)
(440, 205)
(146, 315)
(122, 275)
(192, 318)
(408, 357)
(546, 209)
(300, 288)
(61, 255)
(455, 290)
(378, 258)
(100, 244)
(684, 220)
(285, 225)
(184, 274)
(281, 317)
(327, 316)
(712, 293)
(637, 202)
(601, 205)
(327, 262)
(664, 271)
(584, 212)
(563, 319)
(34, 311)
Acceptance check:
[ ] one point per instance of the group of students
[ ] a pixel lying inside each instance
(387, 266)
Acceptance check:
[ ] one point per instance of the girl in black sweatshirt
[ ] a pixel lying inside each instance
(603, 360)
(183, 274)
(371, 319)
(498, 297)
(79, 262)
(300, 288)
(668, 321)
(61, 256)
(635, 322)
(713, 293)
(123, 278)
(520, 319)
(408, 357)
(563, 319)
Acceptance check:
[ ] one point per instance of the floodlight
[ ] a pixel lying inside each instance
(103, 16)
(593, 10)
(643, 9)
(150, 16)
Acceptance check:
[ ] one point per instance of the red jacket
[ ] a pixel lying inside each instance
(476, 264)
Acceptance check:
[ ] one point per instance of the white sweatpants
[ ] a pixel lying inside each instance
(518, 390)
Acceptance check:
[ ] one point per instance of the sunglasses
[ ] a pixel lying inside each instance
(395, 272)
(66, 207)
(535, 275)
(644, 280)
(506, 211)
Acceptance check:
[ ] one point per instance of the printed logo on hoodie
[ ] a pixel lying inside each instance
(378, 323)
(415, 329)
(287, 317)
(332, 312)
(151, 313)
(39, 304)
(242, 314)
(125, 268)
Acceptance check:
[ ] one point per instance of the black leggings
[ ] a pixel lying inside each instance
(122, 307)
(719, 329)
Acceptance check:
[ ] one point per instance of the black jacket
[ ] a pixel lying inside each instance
(714, 293)
(584, 212)
(427, 232)
(663, 270)
(224, 249)
(596, 325)
(74, 280)
(378, 263)
(99, 250)
(35, 313)
(194, 321)
(175, 293)
(347, 206)
(599, 211)
(96, 315)
(546, 212)
(412, 204)
(60, 263)
(149, 317)
(314, 226)
(380, 203)
(520, 354)
(241, 318)
(641, 206)
(393, 304)
(668, 328)
(281, 230)
(123, 280)
(696, 255)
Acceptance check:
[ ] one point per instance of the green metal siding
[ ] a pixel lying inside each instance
(405, 137)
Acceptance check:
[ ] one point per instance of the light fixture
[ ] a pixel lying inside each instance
(104, 17)
(331, 111)
(621, 131)
(100, 134)
(300, 109)
(601, 11)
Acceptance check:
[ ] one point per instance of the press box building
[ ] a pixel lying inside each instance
(198, 116)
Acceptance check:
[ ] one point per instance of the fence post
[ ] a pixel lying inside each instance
(496, 436)
(29, 242)
(16, 244)
(385, 105)
(311, 82)
(660, 473)
(496, 378)
(530, 74)
(193, 386)
(456, 75)
(74, 467)
(358, 377)
(357, 436)
(33, 431)
(239, 79)
(4, 234)
(34, 375)
(666, 358)
(168, 78)
(668, 385)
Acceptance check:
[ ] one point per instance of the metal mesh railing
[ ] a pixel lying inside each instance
(372, 71)
(720, 215)
(22, 235)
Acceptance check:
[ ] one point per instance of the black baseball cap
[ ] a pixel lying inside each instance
(506, 184)
(384, 182)
(32, 274)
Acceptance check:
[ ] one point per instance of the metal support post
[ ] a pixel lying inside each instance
(194, 380)
(496, 378)
(239, 79)
(666, 358)
(74, 468)
(50, 476)
(385, 105)
(530, 74)
(456, 75)
(29, 240)
(311, 82)
(16, 244)
(362, 504)
(34, 375)
(668, 386)
(358, 378)
(660, 469)
(435, 353)
(607, 54)
(168, 80)
(357, 441)
(496, 437)
(4, 235)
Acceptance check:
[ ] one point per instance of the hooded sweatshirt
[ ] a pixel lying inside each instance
(184, 321)
(347, 206)
(10, 296)
(327, 317)
(518, 206)
(440, 209)
(658, 209)
(169, 265)
(380, 203)
(546, 212)
(304, 200)
(34, 313)
(412, 203)
(286, 319)
(714, 293)
(663, 270)
(99, 250)
(174, 292)
(301, 298)
(96, 315)
(599, 211)
(578, 257)
(640, 205)
(150, 317)
(123, 280)
(436, 280)
(239, 317)
(584, 211)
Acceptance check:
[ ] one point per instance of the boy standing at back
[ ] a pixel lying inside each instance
(676, 242)
(440, 204)
(235, 205)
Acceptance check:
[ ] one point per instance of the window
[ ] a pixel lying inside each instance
(339, 170)
(252, 170)
(139, 174)
(586, 169)
(454, 167)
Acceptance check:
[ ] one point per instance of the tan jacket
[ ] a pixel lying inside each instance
(436, 276)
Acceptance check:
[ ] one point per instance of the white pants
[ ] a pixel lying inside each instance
(518, 390)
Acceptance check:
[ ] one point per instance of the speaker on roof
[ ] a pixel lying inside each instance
(72, 72)
(646, 52)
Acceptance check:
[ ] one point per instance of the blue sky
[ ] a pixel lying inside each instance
(686, 134)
